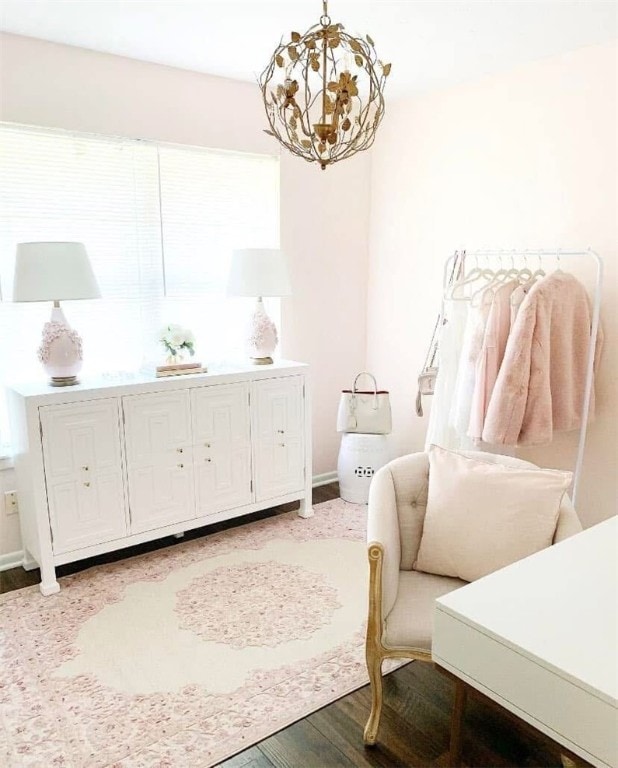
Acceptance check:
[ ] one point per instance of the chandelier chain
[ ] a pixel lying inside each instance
(325, 18)
(324, 52)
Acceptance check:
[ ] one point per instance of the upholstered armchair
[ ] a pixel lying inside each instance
(401, 598)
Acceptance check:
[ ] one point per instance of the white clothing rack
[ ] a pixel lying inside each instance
(542, 254)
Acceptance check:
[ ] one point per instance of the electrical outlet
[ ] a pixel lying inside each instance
(10, 503)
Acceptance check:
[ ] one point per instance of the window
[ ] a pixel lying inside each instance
(211, 203)
(159, 223)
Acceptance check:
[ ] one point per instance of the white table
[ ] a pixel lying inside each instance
(540, 637)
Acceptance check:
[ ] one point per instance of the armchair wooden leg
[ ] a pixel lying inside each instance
(570, 762)
(374, 667)
(459, 705)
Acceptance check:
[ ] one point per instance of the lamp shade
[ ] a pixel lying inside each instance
(53, 272)
(259, 272)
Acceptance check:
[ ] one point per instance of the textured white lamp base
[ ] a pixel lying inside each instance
(61, 350)
(263, 338)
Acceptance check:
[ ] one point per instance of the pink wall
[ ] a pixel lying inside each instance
(521, 160)
(324, 322)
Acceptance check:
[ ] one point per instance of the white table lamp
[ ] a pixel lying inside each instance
(56, 272)
(260, 272)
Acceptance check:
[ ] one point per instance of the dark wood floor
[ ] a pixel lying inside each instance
(414, 729)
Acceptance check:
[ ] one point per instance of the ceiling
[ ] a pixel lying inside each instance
(431, 43)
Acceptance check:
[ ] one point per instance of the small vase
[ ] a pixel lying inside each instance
(174, 359)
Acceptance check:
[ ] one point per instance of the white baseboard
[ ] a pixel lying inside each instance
(324, 479)
(11, 560)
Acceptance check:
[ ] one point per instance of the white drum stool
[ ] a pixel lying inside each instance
(360, 457)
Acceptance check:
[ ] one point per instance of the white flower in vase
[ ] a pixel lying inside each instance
(177, 340)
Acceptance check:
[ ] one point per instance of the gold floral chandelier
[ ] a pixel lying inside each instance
(324, 93)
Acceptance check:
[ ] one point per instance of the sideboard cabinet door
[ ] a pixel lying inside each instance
(83, 473)
(159, 459)
(221, 447)
(278, 410)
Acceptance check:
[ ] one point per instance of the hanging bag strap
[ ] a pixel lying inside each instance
(456, 272)
(430, 364)
(432, 351)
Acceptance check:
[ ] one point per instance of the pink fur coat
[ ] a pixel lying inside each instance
(540, 386)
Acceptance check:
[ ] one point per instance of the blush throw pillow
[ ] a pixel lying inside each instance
(482, 516)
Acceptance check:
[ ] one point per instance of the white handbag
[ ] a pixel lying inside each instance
(365, 411)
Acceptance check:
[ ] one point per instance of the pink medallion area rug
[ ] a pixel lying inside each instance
(185, 656)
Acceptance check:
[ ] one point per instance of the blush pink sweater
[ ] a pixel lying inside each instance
(540, 386)
(490, 358)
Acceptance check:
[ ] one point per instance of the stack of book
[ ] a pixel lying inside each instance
(180, 369)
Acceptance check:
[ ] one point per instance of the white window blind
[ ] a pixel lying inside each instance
(211, 203)
(159, 224)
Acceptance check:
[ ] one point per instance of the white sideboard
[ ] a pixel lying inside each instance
(104, 465)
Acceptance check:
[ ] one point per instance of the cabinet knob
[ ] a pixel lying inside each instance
(208, 460)
(281, 445)
(180, 450)
(85, 469)
(280, 431)
(181, 466)
(206, 445)
(87, 485)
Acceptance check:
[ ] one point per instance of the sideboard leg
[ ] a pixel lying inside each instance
(306, 503)
(306, 509)
(48, 585)
(49, 588)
